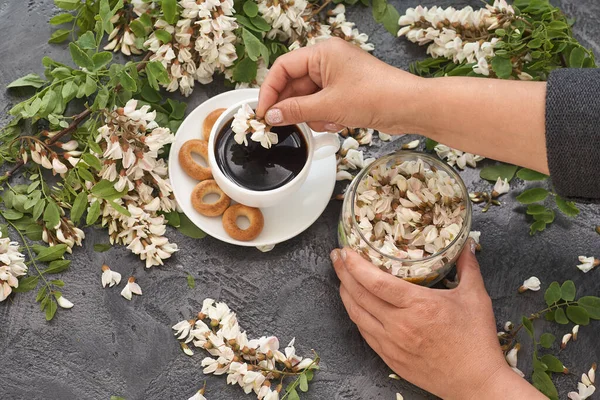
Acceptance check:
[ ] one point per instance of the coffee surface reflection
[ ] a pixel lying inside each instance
(256, 168)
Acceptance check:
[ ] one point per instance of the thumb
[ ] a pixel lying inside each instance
(295, 110)
(467, 267)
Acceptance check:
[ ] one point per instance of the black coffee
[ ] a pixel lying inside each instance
(256, 168)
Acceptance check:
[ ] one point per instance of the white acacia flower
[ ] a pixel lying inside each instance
(482, 67)
(511, 356)
(131, 288)
(198, 396)
(110, 277)
(532, 283)
(587, 263)
(565, 339)
(583, 392)
(12, 266)
(411, 145)
(182, 329)
(456, 157)
(384, 137)
(575, 332)
(399, 396)
(343, 175)
(501, 187)
(63, 302)
(508, 326)
(475, 235)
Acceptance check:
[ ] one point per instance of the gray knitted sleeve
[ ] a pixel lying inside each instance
(573, 132)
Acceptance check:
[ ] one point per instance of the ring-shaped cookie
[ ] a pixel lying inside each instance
(209, 122)
(255, 217)
(191, 167)
(209, 209)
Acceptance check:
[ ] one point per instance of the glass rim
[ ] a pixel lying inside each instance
(431, 161)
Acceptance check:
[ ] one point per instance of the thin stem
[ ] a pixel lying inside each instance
(318, 10)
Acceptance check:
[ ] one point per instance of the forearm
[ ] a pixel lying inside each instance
(499, 119)
(506, 385)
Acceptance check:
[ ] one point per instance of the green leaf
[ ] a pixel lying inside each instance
(117, 398)
(537, 226)
(38, 209)
(502, 67)
(127, 82)
(532, 195)
(59, 36)
(546, 341)
(163, 35)
(530, 175)
(105, 189)
(252, 43)
(51, 215)
(138, 28)
(245, 70)
(303, 383)
(101, 247)
(69, 90)
(173, 219)
(389, 19)
(430, 144)
(61, 19)
(67, 4)
(566, 207)
(92, 161)
(538, 365)
(29, 80)
(57, 266)
(157, 71)
(4, 230)
(120, 208)
(560, 316)
(544, 384)
(568, 291)
(101, 99)
(576, 58)
(260, 23)
(93, 213)
(250, 8)
(191, 282)
(50, 310)
(41, 294)
(527, 325)
(80, 57)
(188, 228)
(578, 315)
(169, 9)
(58, 283)
(534, 209)
(549, 315)
(33, 231)
(592, 306)
(553, 363)
(292, 395)
(26, 284)
(552, 294)
(51, 253)
(12, 215)
(101, 59)
(547, 217)
(78, 207)
(493, 172)
(87, 41)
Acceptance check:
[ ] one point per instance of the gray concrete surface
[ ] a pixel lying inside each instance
(108, 346)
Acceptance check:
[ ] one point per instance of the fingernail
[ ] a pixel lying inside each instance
(343, 252)
(331, 127)
(274, 116)
(472, 245)
(334, 256)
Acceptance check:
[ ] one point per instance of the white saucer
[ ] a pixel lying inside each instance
(282, 222)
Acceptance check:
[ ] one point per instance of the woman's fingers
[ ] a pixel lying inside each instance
(288, 67)
(297, 109)
(361, 317)
(323, 126)
(367, 301)
(381, 284)
(467, 268)
(299, 87)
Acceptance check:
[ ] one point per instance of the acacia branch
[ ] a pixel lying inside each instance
(77, 119)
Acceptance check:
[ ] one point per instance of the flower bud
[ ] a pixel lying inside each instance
(575, 332)
(565, 340)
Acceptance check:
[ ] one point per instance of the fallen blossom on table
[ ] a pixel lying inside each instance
(575, 332)
(110, 277)
(411, 145)
(532, 284)
(587, 263)
(63, 302)
(256, 365)
(501, 187)
(511, 359)
(586, 387)
(131, 288)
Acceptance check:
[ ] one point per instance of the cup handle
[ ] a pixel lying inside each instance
(326, 144)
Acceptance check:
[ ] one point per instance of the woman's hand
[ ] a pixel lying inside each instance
(444, 341)
(335, 84)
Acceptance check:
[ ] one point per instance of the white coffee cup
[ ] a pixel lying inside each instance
(320, 145)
